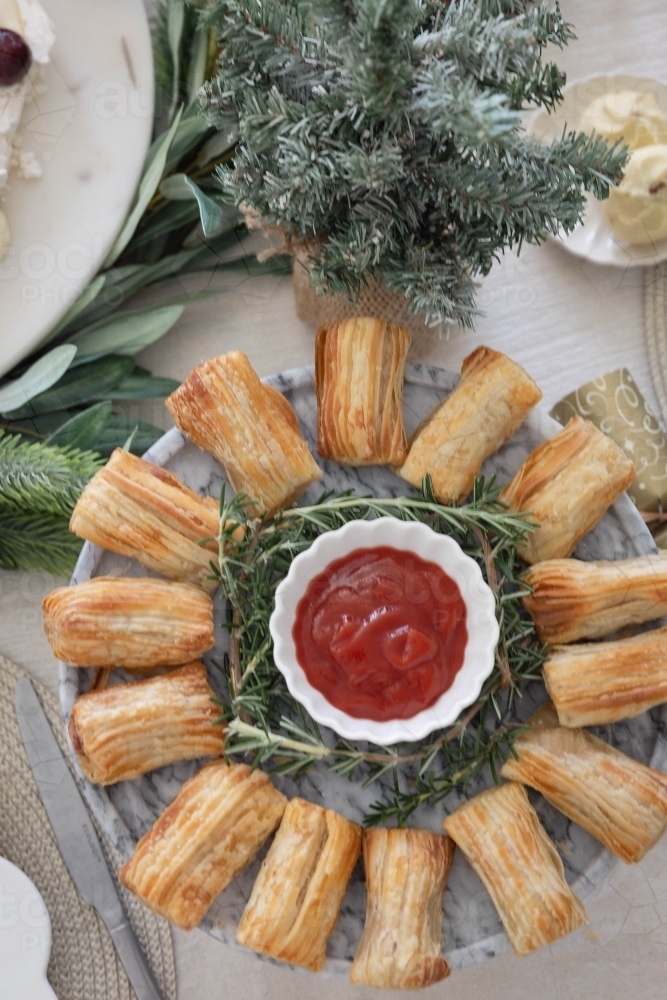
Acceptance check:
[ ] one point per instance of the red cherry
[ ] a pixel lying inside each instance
(15, 57)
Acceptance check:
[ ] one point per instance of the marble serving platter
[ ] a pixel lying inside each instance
(472, 929)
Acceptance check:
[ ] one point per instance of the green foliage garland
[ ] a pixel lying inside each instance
(264, 721)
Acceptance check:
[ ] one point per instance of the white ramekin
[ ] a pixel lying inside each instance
(414, 537)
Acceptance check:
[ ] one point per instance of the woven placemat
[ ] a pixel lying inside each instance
(84, 964)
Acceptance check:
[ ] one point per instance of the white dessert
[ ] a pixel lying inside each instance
(628, 115)
(28, 19)
(637, 208)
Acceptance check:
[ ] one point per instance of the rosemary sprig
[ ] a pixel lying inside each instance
(265, 722)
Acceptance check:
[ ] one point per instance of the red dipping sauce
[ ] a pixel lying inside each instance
(381, 633)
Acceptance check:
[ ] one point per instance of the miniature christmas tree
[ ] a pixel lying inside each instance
(384, 137)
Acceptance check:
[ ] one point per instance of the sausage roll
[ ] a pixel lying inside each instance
(144, 512)
(210, 832)
(567, 483)
(406, 872)
(574, 600)
(136, 623)
(249, 427)
(617, 799)
(501, 836)
(359, 374)
(129, 729)
(297, 895)
(493, 397)
(601, 682)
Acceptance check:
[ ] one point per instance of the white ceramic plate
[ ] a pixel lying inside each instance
(90, 130)
(593, 240)
(25, 938)
(422, 541)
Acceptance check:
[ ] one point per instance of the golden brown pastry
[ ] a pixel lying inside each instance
(210, 832)
(567, 483)
(493, 397)
(297, 895)
(144, 512)
(601, 682)
(129, 729)
(132, 622)
(574, 600)
(359, 374)
(249, 427)
(406, 872)
(617, 799)
(501, 836)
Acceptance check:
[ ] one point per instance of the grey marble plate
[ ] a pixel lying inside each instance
(471, 926)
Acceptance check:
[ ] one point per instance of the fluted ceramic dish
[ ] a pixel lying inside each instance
(407, 536)
(472, 930)
(593, 239)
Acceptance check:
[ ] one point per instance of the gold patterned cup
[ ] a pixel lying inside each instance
(615, 404)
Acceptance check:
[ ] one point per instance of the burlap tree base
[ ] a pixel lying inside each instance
(375, 300)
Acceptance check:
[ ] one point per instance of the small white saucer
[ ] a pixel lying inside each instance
(593, 239)
(481, 622)
(25, 938)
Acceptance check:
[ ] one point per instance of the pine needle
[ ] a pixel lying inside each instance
(40, 478)
(37, 541)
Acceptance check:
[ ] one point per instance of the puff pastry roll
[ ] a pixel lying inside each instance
(132, 622)
(493, 397)
(601, 682)
(574, 600)
(401, 946)
(142, 511)
(501, 836)
(567, 483)
(249, 427)
(210, 832)
(618, 800)
(359, 374)
(129, 729)
(295, 901)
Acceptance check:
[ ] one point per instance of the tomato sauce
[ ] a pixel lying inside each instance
(381, 633)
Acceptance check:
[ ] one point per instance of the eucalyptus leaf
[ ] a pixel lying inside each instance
(136, 386)
(125, 281)
(180, 187)
(40, 376)
(127, 446)
(85, 429)
(126, 333)
(190, 132)
(80, 384)
(198, 60)
(217, 146)
(175, 23)
(119, 428)
(169, 217)
(88, 295)
(147, 188)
